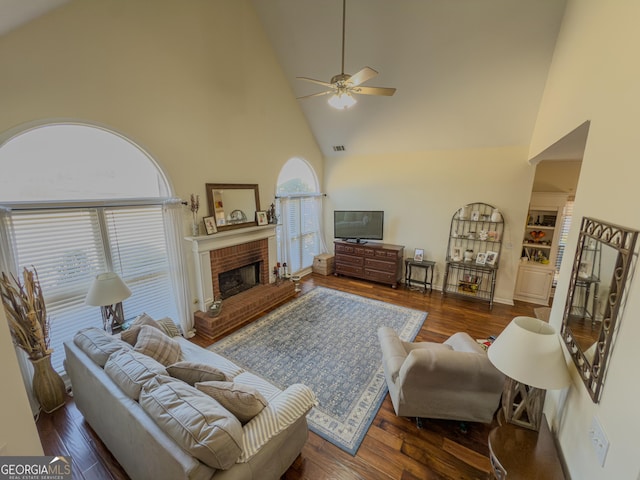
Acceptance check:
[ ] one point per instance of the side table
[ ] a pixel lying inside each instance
(517, 452)
(426, 265)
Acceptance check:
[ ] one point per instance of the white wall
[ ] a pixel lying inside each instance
(557, 176)
(420, 192)
(18, 435)
(594, 76)
(195, 83)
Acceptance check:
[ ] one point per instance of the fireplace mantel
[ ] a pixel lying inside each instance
(206, 243)
(203, 244)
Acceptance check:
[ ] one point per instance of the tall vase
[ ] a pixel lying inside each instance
(48, 386)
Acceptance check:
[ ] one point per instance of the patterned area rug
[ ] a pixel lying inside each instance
(327, 340)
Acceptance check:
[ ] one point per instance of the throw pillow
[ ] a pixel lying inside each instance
(283, 411)
(169, 327)
(130, 335)
(130, 370)
(243, 401)
(97, 344)
(156, 344)
(191, 372)
(195, 421)
(145, 319)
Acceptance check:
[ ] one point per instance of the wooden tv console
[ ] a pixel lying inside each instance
(378, 262)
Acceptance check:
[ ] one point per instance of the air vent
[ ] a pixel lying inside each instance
(338, 148)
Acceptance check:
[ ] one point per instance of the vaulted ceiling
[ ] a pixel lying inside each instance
(468, 73)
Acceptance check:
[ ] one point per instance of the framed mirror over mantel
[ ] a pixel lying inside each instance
(601, 268)
(233, 205)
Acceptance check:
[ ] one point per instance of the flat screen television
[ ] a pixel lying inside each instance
(358, 225)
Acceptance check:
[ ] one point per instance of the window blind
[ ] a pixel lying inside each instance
(293, 213)
(139, 255)
(66, 250)
(567, 215)
(69, 247)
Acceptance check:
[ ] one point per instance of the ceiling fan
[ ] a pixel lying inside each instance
(343, 86)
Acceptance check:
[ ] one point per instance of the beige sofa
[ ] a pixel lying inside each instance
(453, 380)
(172, 430)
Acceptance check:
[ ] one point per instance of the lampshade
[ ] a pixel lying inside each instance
(342, 101)
(529, 351)
(107, 289)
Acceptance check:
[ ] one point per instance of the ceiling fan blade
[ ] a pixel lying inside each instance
(362, 76)
(315, 95)
(374, 91)
(313, 80)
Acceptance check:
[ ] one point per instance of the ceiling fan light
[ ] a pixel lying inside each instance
(342, 101)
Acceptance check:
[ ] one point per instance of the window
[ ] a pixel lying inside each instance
(567, 214)
(80, 224)
(299, 235)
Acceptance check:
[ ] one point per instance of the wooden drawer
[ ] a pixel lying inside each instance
(342, 248)
(365, 251)
(378, 276)
(349, 269)
(382, 265)
(390, 254)
(351, 260)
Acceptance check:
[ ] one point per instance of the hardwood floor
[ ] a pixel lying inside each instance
(394, 448)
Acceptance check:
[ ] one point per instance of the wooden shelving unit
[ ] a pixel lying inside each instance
(540, 241)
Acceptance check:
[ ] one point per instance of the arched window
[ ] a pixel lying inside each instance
(299, 236)
(81, 200)
(71, 162)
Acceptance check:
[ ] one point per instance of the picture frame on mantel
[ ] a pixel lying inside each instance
(262, 218)
(210, 225)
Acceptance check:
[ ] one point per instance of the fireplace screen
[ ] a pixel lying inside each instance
(238, 280)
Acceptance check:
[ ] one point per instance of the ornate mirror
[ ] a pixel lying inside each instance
(233, 205)
(600, 269)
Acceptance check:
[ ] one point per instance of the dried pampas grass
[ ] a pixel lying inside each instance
(26, 313)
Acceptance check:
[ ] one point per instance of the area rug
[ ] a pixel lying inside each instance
(327, 340)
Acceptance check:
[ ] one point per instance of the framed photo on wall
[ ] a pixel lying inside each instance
(210, 225)
(418, 254)
(261, 217)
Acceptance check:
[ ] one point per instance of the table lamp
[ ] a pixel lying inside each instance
(108, 291)
(529, 353)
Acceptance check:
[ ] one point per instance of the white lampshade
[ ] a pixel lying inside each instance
(342, 101)
(107, 289)
(529, 351)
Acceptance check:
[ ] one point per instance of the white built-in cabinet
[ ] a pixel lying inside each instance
(540, 240)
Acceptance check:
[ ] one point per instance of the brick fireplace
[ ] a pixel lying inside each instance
(238, 256)
(253, 247)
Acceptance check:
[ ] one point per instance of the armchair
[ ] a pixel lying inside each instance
(453, 380)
